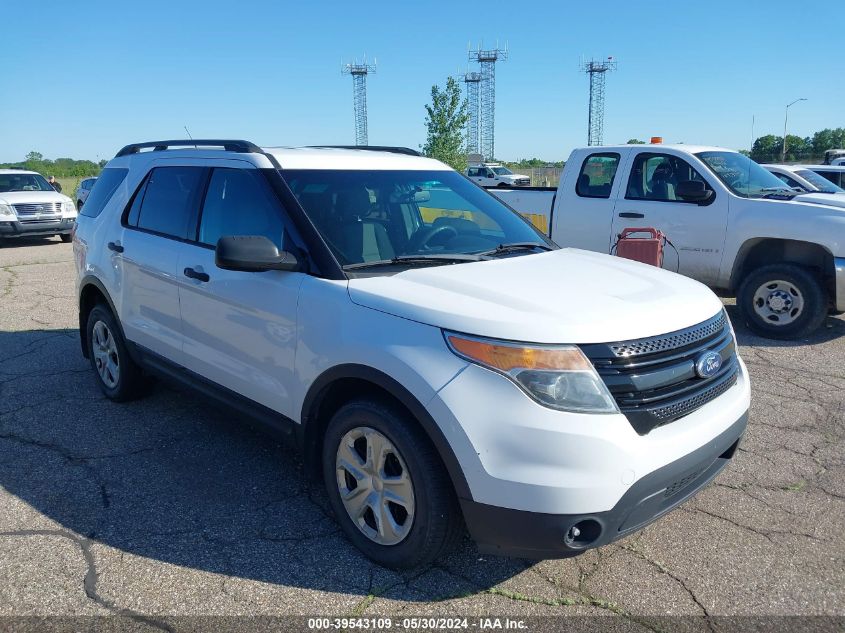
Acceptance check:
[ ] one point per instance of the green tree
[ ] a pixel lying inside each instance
(34, 157)
(445, 121)
(766, 148)
(635, 141)
(828, 139)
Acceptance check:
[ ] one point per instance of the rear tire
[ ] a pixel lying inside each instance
(425, 522)
(782, 301)
(119, 378)
(66, 237)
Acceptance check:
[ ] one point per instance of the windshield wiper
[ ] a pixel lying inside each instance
(515, 246)
(777, 192)
(422, 260)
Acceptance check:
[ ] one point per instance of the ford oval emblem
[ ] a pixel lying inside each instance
(708, 364)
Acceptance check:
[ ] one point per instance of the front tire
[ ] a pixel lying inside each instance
(118, 376)
(387, 486)
(782, 301)
(66, 237)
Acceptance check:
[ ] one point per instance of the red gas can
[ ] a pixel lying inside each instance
(647, 248)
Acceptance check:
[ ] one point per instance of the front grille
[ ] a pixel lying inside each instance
(679, 485)
(42, 208)
(654, 380)
(38, 212)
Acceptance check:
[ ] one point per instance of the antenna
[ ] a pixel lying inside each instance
(487, 58)
(597, 70)
(359, 74)
(188, 133)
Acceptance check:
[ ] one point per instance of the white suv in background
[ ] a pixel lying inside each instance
(30, 207)
(438, 360)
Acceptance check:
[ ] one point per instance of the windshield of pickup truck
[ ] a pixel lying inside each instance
(24, 182)
(742, 175)
(502, 171)
(382, 216)
(819, 182)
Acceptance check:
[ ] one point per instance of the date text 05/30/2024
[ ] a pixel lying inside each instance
(414, 624)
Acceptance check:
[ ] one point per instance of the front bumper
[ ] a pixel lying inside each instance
(839, 282)
(523, 534)
(23, 229)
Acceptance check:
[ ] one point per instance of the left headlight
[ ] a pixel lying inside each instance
(6, 212)
(557, 376)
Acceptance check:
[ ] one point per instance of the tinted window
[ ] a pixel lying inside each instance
(106, 185)
(239, 202)
(787, 180)
(832, 176)
(821, 183)
(473, 171)
(597, 174)
(369, 216)
(169, 200)
(655, 177)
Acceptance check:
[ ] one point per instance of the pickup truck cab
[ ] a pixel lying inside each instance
(438, 360)
(731, 225)
(496, 175)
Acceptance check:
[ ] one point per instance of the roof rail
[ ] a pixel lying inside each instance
(244, 147)
(372, 148)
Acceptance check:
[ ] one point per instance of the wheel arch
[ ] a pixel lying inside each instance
(338, 385)
(762, 251)
(91, 292)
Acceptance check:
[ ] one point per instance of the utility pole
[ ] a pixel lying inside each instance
(785, 119)
(595, 118)
(359, 74)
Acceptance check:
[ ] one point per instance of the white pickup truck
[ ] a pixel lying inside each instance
(733, 225)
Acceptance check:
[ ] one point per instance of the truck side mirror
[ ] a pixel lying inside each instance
(693, 191)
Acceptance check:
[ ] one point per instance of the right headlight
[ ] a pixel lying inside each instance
(557, 376)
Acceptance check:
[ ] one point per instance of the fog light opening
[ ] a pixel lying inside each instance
(582, 534)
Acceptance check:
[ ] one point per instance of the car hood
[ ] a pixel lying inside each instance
(24, 197)
(829, 199)
(563, 296)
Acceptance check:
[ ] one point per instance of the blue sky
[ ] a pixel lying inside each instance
(82, 79)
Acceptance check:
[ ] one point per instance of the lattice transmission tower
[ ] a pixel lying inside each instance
(473, 83)
(595, 119)
(359, 74)
(487, 132)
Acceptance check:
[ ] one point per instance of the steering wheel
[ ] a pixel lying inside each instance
(422, 236)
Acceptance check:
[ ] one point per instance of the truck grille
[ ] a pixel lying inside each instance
(654, 380)
(38, 212)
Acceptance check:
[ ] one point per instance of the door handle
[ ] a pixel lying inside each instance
(631, 214)
(115, 246)
(193, 274)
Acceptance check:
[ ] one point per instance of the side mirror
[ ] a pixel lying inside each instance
(252, 253)
(693, 191)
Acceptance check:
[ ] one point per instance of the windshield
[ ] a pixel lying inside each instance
(742, 175)
(370, 216)
(502, 171)
(819, 182)
(24, 182)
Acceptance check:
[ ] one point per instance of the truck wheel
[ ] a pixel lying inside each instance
(118, 376)
(387, 486)
(782, 301)
(66, 237)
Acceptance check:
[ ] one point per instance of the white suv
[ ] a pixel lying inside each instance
(30, 207)
(438, 360)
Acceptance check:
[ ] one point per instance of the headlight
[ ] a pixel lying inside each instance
(557, 376)
(68, 209)
(6, 212)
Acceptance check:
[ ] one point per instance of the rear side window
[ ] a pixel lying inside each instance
(168, 200)
(104, 189)
(238, 202)
(597, 174)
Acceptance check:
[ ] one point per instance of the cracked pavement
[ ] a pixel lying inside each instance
(169, 507)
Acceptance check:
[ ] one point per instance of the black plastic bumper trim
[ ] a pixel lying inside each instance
(534, 535)
(24, 229)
